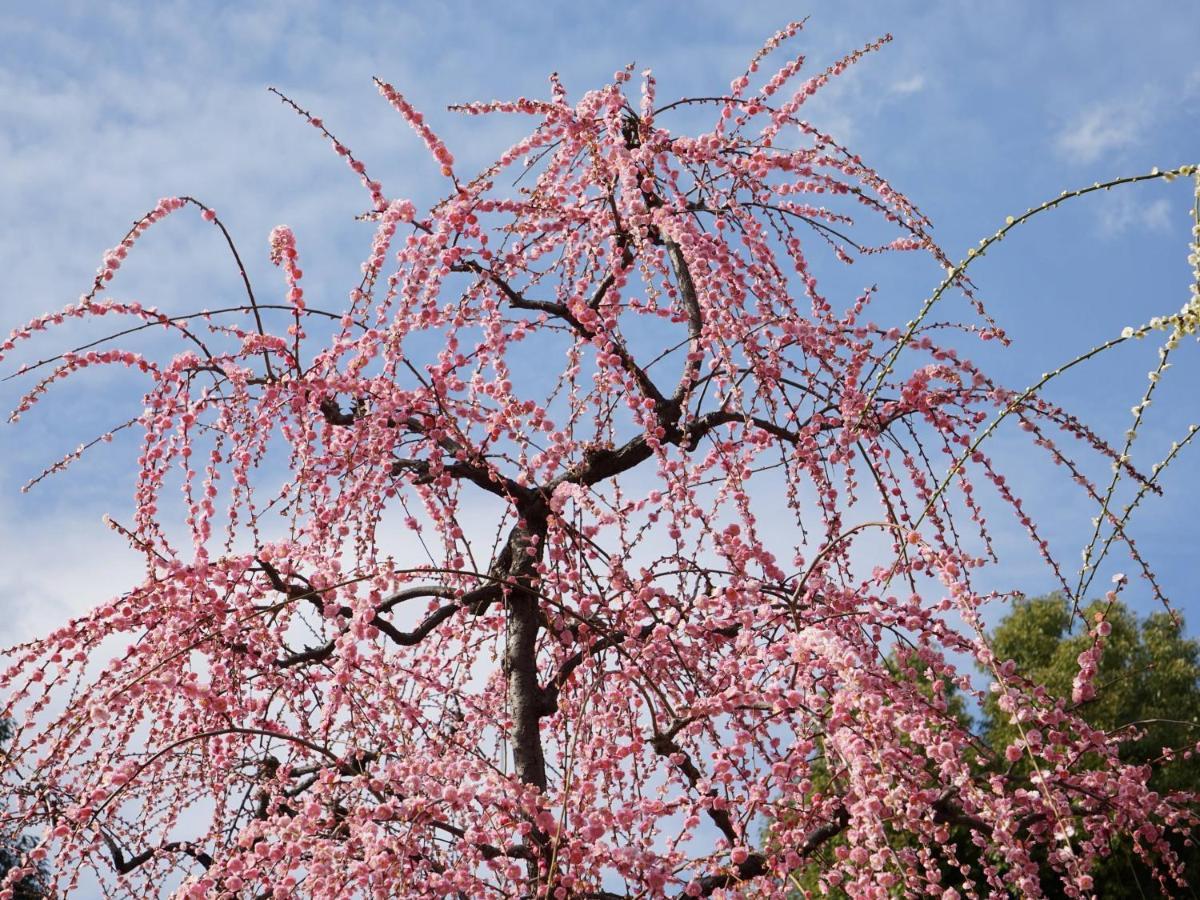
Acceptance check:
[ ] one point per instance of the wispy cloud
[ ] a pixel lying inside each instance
(1103, 129)
(910, 85)
(1122, 213)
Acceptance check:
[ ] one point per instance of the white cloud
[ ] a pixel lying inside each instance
(1155, 215)
(910, 85)
(56, 568)
(1121, 213)
(1191, 83)
(1102, 129)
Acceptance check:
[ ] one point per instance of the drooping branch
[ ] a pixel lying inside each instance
(237, 259)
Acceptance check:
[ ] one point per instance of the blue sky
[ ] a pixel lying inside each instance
(976, 111)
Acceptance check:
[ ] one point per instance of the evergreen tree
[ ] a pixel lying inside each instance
(12, 846)
(1147, 688)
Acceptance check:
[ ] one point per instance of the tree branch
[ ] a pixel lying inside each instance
(125, 866)
(691, 305)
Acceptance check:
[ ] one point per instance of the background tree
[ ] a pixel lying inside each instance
(474, 584)
(1146, 692)
(15, 846)
(943, 693)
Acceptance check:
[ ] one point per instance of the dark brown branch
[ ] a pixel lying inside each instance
(559, 311)
(755, 865)
(818, 836)
(515, 298)
(946, 811)
(422, 631)
(575, 661)
(125, 866)
(691, 304)
(602, 463)
(333, 413)
(735, 101)
(403, 638)
(487, 851)
(479, 475)
(414, 593)
(309, 655)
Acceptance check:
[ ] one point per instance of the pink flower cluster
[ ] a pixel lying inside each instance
(417, 122)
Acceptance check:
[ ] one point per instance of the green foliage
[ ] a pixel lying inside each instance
(1147, 686)
(941, 692)
(1148, 680)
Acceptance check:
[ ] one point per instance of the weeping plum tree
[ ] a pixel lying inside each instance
(569, 548)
